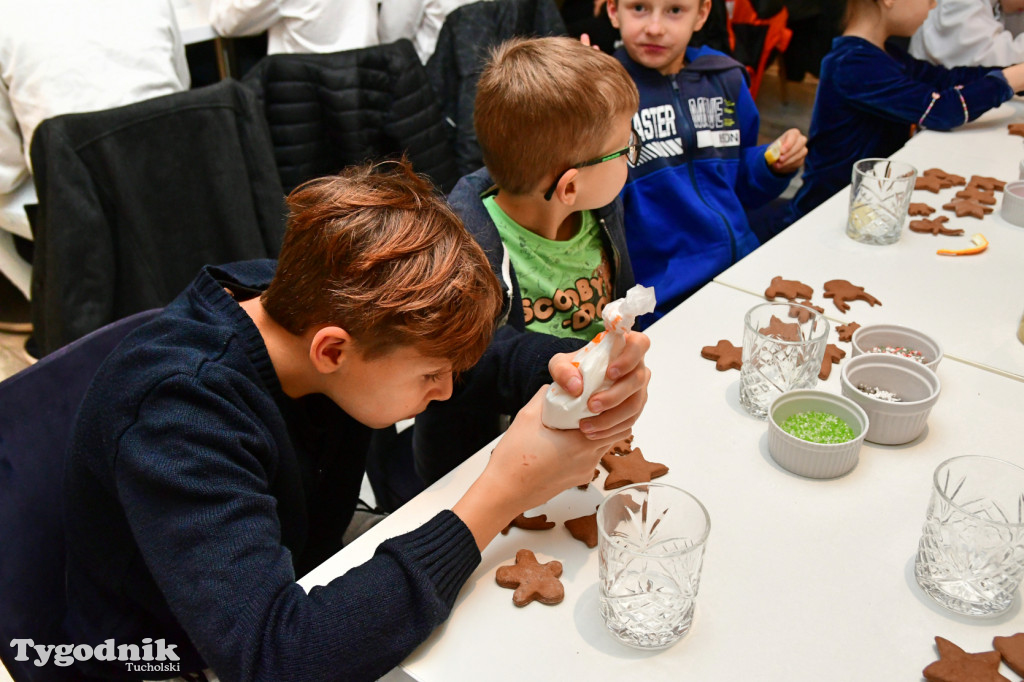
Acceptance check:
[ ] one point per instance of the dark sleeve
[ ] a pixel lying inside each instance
(900, 88)
(195, 475)
(513, 368)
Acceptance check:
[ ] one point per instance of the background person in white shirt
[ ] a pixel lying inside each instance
(69, 56)
(972, 33)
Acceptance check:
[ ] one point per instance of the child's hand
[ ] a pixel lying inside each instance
(793, 151)
(620, 405)
(585, 39)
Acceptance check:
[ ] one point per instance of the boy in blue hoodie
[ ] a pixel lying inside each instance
(700, 168)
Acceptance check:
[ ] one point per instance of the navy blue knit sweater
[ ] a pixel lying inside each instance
(197, 492)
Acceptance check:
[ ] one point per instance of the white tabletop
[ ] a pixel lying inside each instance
(972, 305)
(803, 579)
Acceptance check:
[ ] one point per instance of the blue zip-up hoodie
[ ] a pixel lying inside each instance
(700, 169)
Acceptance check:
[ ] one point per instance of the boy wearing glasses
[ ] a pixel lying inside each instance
(552, 117)
(701, 168)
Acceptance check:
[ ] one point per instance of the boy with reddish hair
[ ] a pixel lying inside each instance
(220, 449)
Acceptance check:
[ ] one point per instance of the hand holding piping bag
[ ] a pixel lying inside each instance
(563, 411)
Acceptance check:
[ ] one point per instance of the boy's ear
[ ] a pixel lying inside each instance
(329, 348)
(613, 13)
(703, 13)
(567, 189)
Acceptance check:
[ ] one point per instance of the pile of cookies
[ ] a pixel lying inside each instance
(534, 581)
(975, 200)
(956, 665)
(728, 356)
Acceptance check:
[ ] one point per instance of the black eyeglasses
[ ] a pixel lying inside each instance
(632, 150)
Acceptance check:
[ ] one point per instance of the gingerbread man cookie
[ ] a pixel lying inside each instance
(584, 529)
(1012, 648)
(532, 580)
(956, 665)
(920, 209)
(986, 182)
(787, 288)
(725, 355)
(841, 291)
(967, 207)
(801, 313)
(947, 179)
(1016, 129)
(783, 331)
(631, 468)
(934, 226)
(928, 182)
(833, 354)
(846, 331)
(539, 522)
(975, 193)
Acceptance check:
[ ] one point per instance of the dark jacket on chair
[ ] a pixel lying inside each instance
(133, 201)
(328, 111)
(463, 45)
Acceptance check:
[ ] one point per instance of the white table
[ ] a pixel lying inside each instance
(803, 579)
(972, 305)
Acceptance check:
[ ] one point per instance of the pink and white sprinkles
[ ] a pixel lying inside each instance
(900, 350)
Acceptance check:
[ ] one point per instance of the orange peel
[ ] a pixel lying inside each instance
(980, 244)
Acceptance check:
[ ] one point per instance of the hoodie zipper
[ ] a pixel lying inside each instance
(691, 137)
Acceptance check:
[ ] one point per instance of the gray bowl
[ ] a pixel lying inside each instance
(892, 423)
(815, 460)
(874, 335)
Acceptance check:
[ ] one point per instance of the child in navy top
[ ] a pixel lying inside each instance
(871, 94)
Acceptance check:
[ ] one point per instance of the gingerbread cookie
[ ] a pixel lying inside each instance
(525, 522)
(802, 313)
(967, 207)
(532, 580)
(784, 331)
(947, 179)
(584, 529)
(846, 331)
(933, 226)
(920, 209)
(985, 182)
(1016, 129)
(631, 468)
(621, 447)
(725, 355)
(1012, 648)
(597, 472)
(975, 193)
(841, 291)
(928, 182)
(787, 288)
(956, 665)
(833, 354)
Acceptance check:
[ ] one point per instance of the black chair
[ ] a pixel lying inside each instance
(39, 407)
(133, 201)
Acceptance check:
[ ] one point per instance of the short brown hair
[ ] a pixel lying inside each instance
(545, 104)
(376, 251)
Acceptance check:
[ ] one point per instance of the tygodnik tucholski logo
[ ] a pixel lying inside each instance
(150, 656)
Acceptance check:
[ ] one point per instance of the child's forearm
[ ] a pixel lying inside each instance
(1015, 76)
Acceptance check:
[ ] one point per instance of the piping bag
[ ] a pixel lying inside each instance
(561, 410)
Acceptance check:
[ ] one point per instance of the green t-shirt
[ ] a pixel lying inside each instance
(565, 284)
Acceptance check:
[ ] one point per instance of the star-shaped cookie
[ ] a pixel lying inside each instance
(928, 182)
(919, 209)
(532, 580)
(978, 194)
(784, 331)
(631, 468)
(956, 665)
(934, 226)
(841, 291)
(833, 354)
(539, 522)
(790, 289)
(846, 331)
(725, 355)
(967, 207)
(1012, 648)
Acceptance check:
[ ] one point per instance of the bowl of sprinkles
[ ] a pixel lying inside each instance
(815, 433)
(894, 339)
(896, 392)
